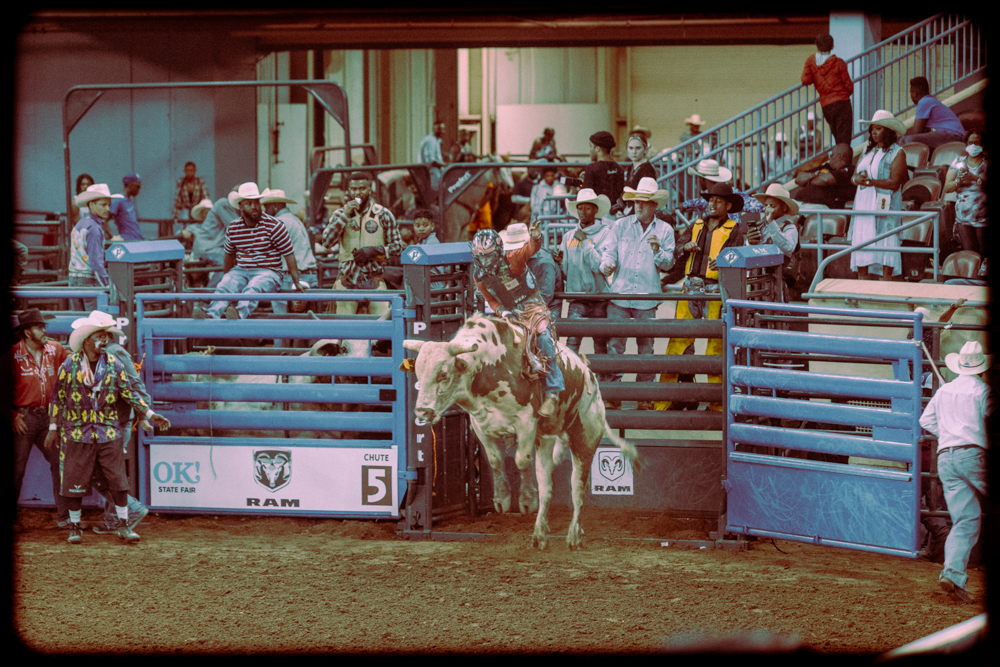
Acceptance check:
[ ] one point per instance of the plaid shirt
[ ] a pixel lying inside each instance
(343, 226)
(187, 196)
(89, 414)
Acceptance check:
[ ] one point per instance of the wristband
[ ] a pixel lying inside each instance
(149, 413)
(53, 427)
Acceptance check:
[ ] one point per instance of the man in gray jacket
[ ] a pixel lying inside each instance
(579, 255)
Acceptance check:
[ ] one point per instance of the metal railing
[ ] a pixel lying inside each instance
(946, 49)
(918, 218)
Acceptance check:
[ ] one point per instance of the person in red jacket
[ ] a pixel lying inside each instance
(834, 87)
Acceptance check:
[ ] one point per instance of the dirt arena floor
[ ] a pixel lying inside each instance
(231, 585)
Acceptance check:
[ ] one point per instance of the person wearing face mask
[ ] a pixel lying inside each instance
(84, 420)
(833, 85)
(967, 178)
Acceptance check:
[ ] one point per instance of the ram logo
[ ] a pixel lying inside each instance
(612, 465)
(272, 468)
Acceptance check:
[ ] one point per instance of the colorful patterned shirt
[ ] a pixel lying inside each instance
(189, 194)
(89, 414)
(86, 249)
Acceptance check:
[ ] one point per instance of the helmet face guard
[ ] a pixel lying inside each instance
(487, 249)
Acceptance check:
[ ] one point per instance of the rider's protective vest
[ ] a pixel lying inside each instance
(513, 291)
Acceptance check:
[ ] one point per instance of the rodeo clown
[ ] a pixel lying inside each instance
(510, 290)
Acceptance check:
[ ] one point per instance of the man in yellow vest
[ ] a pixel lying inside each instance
(698, 247)
(368, 234)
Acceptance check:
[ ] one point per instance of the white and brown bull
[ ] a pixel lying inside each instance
(480, 371)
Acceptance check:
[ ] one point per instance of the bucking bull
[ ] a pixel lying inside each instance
(481, 371)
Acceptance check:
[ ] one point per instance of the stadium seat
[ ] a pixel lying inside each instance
(941, 159)
(833, 225)
(921, 236)
(930, 182)
(917, 156)
(961, 264)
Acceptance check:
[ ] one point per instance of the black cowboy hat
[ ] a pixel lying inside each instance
(31, 317)
(725, 191)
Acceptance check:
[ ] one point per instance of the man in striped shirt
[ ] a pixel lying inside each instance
(255, 245)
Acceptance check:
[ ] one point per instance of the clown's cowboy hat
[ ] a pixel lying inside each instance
(85, 326)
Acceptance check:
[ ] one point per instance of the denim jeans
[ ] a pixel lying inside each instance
(246, 281)
(554, 381)
(645, 345)
(85, 305)
(963, 478)
(38, 428)
(583, 310)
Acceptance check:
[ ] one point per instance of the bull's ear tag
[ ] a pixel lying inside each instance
(408, 365)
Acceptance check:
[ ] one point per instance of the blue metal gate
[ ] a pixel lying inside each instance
(302, 465)
(861, 507)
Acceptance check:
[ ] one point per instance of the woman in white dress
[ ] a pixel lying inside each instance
(880, 175)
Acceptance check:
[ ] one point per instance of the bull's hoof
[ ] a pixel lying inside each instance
(574, 537)
(528, 506)
(501, 505)
(539, 542)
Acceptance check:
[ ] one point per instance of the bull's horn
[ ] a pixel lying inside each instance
(414, 345)
(455, 349)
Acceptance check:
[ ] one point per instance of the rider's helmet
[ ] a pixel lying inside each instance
(487, 249)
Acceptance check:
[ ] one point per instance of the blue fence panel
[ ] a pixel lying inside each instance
(853, 506)
(276, 445)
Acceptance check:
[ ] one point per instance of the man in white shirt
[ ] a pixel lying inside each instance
(957, 416)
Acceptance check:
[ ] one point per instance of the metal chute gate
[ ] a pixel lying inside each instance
(787, 482)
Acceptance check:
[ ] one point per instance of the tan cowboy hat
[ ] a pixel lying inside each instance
(646, 190)
(245, 191)
(201, 209)
(886, 119)
(515, 236)
(588, 196)
(269, 196)
(711, 170)
(84, 326)
(96, 191)
(694, 119)
(970, 360)
(778, 192)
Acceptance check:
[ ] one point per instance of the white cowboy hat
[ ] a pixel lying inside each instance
(780, 136)
(778, 192)
(515, 236)
(245, 191)
(970, 360)
(646, 190)
(588, 196)
(201, 209)
(269, 196)
(886, 119)
(96, 191)
(694, 119)
(711, 170)
(84, 326)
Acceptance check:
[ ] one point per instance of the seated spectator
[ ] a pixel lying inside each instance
(548, 276)
(604, 175)
(830, 184)
(546, 188)
(544, 147)
(710, 173)
(579, 256)
(637, 249)
(967, 177)
(780, 159)
(124, 212)
(256, 246)
(934, 123)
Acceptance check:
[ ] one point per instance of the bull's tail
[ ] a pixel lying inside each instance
(628, 449)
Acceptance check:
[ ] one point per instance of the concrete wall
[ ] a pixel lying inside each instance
(152, 133)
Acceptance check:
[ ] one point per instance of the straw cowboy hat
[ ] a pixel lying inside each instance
(201, 209)
(711, 170)
(84, 326)
(515, 236)
(970, 360)
(694, 119)
(269, 196)
(245, 191)
(96, 191)
(725, 191)
(646, 190)
(778, 192)
(588, 196)
(886, 119)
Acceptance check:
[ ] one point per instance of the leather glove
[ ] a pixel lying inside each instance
(367, 254)
(509, 315)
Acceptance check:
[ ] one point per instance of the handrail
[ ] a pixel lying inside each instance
(742, 142)
(920, 219)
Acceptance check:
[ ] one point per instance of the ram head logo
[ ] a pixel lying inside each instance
(612, 465)
(273, 468)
